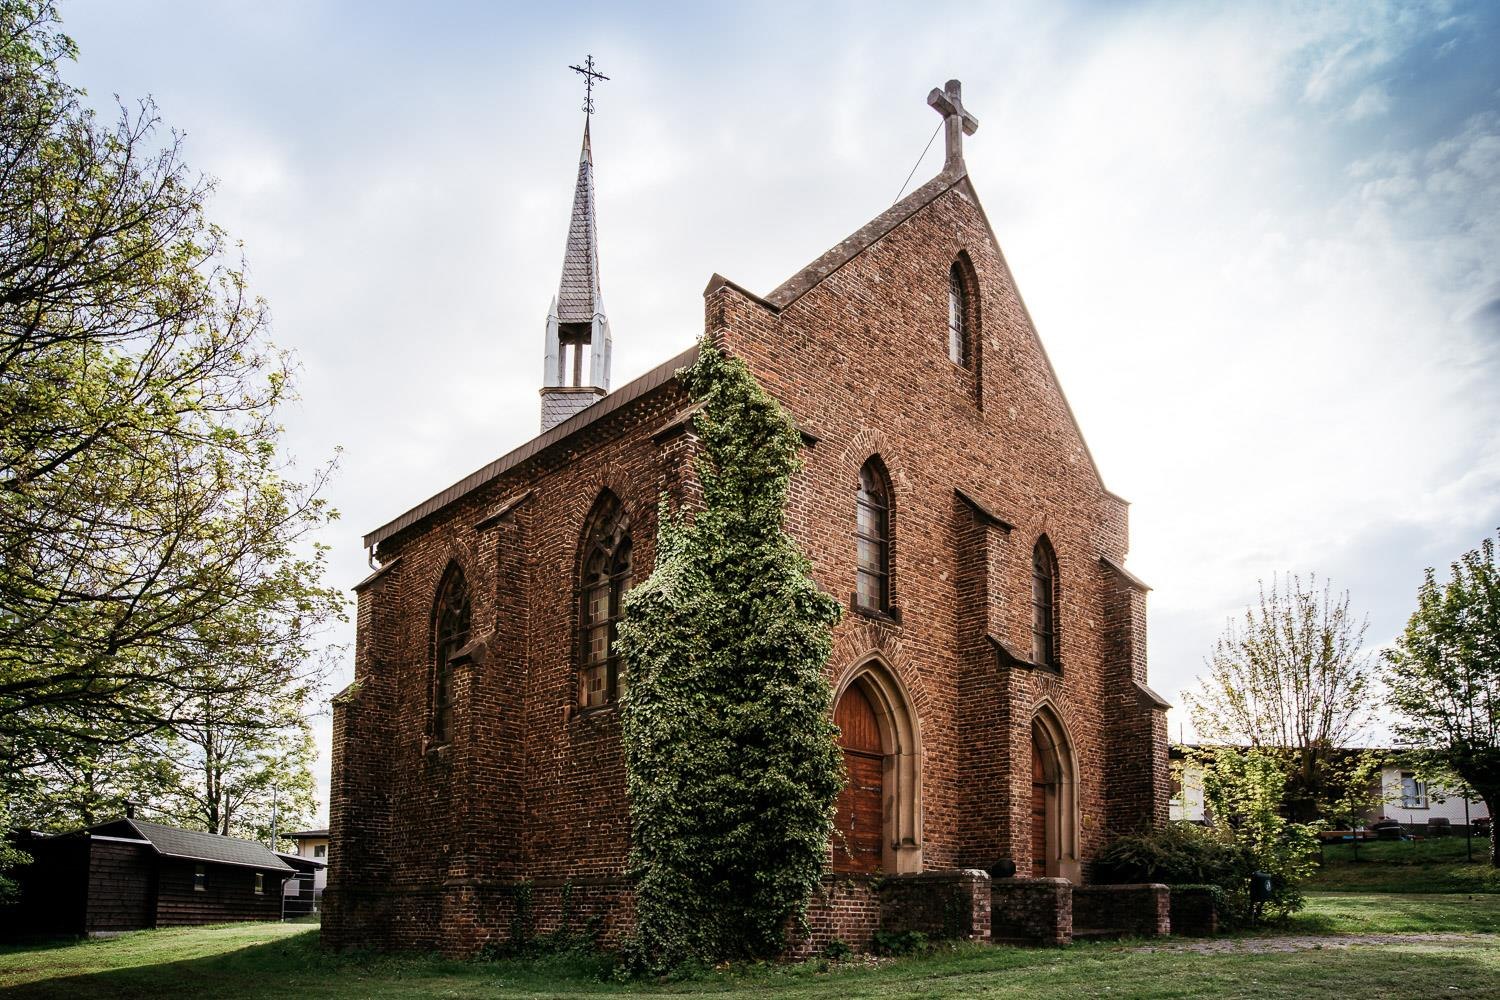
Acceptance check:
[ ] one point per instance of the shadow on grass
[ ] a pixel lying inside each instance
(292, 966)
(295, 966)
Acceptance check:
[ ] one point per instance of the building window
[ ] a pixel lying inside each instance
(604, 580)
(960, 327)
(872, 539)
(200, 878)
(1413, 791)
(320, 851)
(1044, 604)
(450, 633)
(260, 884)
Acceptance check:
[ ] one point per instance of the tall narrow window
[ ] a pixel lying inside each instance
(450, 633)
(200, 878)
(958, 318)
(606, 577)
(872, 539)
(1043, 604)
(260, 884)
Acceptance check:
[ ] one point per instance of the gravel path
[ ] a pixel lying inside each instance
(1310, 942)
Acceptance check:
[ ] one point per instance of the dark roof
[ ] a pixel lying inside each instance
(653, 379)
(195, 845)
(778, 300)
(578, 292)
(306, 833)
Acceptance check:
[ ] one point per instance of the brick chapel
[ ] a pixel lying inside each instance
(989, 670)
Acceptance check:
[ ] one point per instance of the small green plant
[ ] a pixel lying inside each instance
(837, 950)
(896, 944)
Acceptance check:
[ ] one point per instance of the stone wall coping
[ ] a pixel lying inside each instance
(1023, 883)
(943, 874)
(1123, 886)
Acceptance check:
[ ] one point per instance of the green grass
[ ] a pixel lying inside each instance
(1407, 866)
(278, 961)
(1382, 913)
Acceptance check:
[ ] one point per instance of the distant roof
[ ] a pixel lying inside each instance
(306, 833)
(195, 845)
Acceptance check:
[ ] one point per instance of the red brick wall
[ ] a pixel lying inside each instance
(530, 789)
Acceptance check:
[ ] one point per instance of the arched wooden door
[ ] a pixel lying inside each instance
(1039, 799)
(860, 820)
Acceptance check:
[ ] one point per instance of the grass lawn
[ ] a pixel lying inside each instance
(281, 961)
(1407, 866)
(1388, 913)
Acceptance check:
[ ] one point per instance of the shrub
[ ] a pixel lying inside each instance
(898, 943)
(1244, 790)
(1178, 854)
(837, 950)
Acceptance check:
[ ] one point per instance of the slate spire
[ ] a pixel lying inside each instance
(576, 370)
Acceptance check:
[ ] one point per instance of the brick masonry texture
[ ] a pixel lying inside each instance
(1138, 910)
(431, 843)
(1031, 910)
(1193, 912)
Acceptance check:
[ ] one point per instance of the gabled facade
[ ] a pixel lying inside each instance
(990, 668)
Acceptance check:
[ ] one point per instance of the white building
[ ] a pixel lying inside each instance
(313, 845)
(1404, 797)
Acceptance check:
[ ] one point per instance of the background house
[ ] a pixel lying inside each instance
(1403, 796)
(313, 845)
(129, 874)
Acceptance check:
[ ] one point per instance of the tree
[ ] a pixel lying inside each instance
(237, 761)
(149, 521)
(1443, 677)
(1291, 680)
(1244, 790)
(732, 758)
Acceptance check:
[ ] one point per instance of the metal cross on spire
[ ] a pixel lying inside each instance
(957, 120)
(589, 76)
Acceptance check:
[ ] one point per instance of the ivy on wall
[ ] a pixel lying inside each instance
(732, 757)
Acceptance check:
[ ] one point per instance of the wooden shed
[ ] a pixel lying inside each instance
(130, 874)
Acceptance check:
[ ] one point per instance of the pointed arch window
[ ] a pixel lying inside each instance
(960, 318)
(450, 633)
(872, 539)
(1044, 604)
(602, 585)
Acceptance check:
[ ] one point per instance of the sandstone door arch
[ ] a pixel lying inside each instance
(877, 823)
(1052, 844)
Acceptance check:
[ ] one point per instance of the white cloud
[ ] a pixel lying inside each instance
(1259, 307)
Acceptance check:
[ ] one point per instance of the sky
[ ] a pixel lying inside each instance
(1261, 243)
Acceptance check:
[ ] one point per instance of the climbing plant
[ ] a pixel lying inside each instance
(732, 757)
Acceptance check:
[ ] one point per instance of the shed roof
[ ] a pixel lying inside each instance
(195, 845)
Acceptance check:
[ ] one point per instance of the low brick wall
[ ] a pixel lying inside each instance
(1031, 910)
(1193, 912)
(846, 908)
(1141, 910)
(476, 915)
(951, 905)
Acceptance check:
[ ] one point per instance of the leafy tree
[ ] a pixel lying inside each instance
(149, 521)
(732, 758)
(236, 762)
(11, 859)
(1354, 781)
(1292, 680)
(1244, 790)
(1443, 677)
(59, 784)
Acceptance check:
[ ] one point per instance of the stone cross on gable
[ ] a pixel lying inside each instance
(957, 122)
